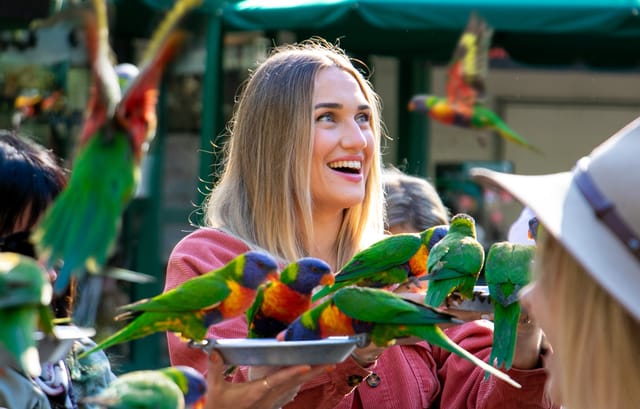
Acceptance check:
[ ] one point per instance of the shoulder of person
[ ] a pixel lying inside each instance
(211, 237)
(18, 391)
(203, 250)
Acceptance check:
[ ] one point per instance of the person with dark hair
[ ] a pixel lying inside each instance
(30, 179)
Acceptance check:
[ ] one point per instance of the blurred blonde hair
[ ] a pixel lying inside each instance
(264, 195)
(598, 345)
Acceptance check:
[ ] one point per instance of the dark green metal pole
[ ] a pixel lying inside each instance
(413, 128)
(212, 115)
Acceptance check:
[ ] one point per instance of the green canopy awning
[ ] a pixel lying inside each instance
(554, 32)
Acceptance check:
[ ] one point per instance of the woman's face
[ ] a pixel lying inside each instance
(540, 307)
(343, 141)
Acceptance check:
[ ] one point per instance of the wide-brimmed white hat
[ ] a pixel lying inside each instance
(594, 210)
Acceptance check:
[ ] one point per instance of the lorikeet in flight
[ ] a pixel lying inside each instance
(25, 296)
(384, 317)
(392, 260)
(279, 302)
(466, 87)
(81, 226)
(454, 262)
(193, 306)
(172, 387)
(507, 271)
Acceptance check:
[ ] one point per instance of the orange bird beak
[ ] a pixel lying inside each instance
(328, 279)
(200, 403)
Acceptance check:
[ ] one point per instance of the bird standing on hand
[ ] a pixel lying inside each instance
(507, 271)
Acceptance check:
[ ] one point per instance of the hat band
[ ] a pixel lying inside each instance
(604, 208)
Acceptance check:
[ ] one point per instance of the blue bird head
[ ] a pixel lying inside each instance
(258, 267)
(191, 382)
(311, 272)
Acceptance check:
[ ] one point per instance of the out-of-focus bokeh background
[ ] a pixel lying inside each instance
(563, 74)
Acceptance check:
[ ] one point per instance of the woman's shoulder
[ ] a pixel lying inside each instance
(200, 251)
(211, 239)
(18, 391)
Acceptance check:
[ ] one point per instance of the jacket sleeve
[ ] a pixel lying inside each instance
(199, 252)
(463, 383)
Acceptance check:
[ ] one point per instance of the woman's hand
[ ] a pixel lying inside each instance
(368, 355)
(528, 344)
(271, 388)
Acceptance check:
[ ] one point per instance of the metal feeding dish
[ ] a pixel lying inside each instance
(269, 351)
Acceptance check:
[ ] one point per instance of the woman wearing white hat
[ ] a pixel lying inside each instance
(586, 293)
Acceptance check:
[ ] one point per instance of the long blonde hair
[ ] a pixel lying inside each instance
(264, 195)
(598, 345)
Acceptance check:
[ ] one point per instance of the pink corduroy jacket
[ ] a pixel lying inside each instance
(404, 377)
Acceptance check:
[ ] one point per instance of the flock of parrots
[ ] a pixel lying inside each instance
(303, 301)
(282, 304)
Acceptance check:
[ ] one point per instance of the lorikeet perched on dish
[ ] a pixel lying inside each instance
(25, 295)
(454, 262)
(384, 317)
(507, 271)
(279, 302)
(172, 387)
(392, 260)
(466, 87)
(81, 226)
(193, 306)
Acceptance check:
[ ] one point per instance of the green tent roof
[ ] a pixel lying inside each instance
(593, 32)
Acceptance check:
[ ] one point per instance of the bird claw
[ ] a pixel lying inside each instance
(205, 345)
(362, 340)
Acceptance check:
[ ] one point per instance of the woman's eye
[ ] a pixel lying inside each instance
(325, 117)
(364, 117)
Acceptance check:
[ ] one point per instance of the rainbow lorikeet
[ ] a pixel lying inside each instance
(384, 317)
(82, 225)
(454, 262)
(466, 87)
(25, 295)
(507, 271)
(392, 260)
(173, 387)
(193, 306)
(279, 302)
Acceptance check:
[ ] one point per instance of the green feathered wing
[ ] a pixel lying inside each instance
(378, 265)
(179, 310)
(454, 262)
(81, 227)
(82, 224)
(140, 389)
(394, 317)
(507, 270)
(25, 295)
